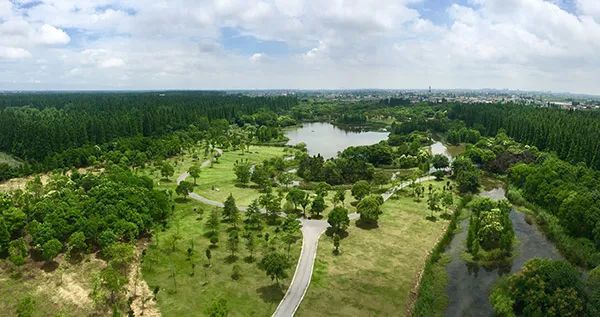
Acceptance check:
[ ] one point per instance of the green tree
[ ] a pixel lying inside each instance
(317, 207)
(231, 213)
(593, 287)
(336, 243)
(361, 189)
(296, 196)
(213, 223)
(271, 203)
(17, 251)
(369, 209)
(340, 196)
(76, 242)
(184, 188)
(440, 161)
(542, 288)
(322, 189)
(338, 219)
(466, 174)
(291, 231)
(233, 241)
(253, 221)
(250, 244)
(447, 200)
(51, 249)
(194, 172)
(275, 266)
(167, 170)
(261, 176)
(243, 171)
(285, 179)
(433, 201)
(4, 237)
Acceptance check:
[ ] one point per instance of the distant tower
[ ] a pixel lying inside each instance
(429, 89)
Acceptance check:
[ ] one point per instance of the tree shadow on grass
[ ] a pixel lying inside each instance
(431, 218)
(181, 200)
(231, 259)
(367, 225)
(249, 259)
(329, 232)
(49, 266)
(271, 293)
(446, 216)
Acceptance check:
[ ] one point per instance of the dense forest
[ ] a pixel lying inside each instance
(573, 135)
(35, 126)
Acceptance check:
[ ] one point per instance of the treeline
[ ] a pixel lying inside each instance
(573, 135)
(569, 193)
(35, 126)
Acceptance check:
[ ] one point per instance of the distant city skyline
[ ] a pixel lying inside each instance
(527, 45)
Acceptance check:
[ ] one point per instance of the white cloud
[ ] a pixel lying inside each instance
(526, 44)
(13, 53)
(112, 63)
(51, 35)
(589, 7)
(257, 57)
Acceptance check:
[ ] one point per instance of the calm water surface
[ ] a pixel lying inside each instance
(469, 286)
(327, 139)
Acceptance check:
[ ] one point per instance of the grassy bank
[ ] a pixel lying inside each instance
(377, 269)
(431, 298)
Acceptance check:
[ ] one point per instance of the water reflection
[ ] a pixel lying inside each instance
(327, 139)
(469, 284)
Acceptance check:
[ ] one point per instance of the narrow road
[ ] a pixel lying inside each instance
(311, 232)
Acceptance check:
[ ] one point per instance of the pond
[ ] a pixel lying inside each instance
(469, 286)
(327, 139)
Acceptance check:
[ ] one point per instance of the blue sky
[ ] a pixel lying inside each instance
(233, 44)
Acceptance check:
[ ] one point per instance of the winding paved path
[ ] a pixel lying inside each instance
(311, 232)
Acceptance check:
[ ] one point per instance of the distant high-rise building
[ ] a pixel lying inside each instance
(429, 89)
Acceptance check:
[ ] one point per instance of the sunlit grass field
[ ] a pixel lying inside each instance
(377, 268)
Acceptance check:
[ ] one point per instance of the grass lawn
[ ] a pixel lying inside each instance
(377, 269)
(221, 176)
(61, 291)
(254, 294)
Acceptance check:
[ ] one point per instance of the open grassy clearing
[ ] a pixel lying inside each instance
(56, 291)
(378, 268)
(254, 294)
(218, 181)
(456, 150)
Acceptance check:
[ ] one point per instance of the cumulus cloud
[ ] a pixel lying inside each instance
(51, 35)
(257, 57)
(13, 53)
(112, 63)
(525, 44)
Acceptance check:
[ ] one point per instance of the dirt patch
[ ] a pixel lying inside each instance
(143, 303)
(19, 183)
(73, 291)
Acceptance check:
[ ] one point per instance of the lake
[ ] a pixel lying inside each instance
(327, 139)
